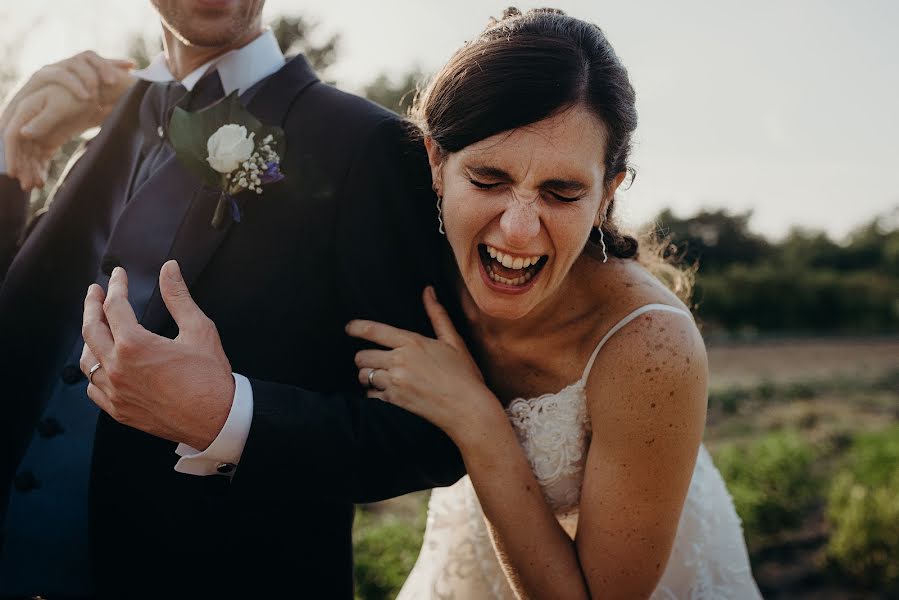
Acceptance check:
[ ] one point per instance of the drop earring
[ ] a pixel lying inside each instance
(602, 242)
(440, 215)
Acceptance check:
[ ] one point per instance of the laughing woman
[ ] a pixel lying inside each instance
(587, 476)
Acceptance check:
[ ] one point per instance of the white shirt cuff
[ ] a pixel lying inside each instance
(223, 454)
(2, 158)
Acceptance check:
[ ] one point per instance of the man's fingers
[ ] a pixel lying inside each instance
(440, 320)
(116, 307)
(89, 361)
(94, 328)
(109, 69)
(41, 126)
(87, 74)
(12, 139)
(177, 297)
(380, 333)
(60, 75)
(100, 398)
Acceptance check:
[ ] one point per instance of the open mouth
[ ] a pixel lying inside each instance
(507, 270)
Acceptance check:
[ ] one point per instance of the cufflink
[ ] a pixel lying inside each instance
(225, 468)
(160, 132)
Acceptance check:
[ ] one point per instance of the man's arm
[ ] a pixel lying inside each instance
(56, 103)
(348, 447)
(352, 448)
(388, 250)
(13, 209)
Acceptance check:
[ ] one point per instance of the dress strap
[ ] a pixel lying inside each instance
(633, 315)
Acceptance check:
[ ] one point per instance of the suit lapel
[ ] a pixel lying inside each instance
(196, 241)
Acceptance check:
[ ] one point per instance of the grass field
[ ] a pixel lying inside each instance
(823, 392)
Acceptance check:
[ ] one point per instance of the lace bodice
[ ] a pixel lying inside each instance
(458, 562)
(554, 431)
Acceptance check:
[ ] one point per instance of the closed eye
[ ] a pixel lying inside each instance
(482, 185)
(562, 198)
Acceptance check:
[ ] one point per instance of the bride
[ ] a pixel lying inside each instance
(586, 473)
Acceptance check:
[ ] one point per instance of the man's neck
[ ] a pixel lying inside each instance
(183, 59)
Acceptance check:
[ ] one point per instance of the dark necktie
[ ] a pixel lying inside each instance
(154, 115)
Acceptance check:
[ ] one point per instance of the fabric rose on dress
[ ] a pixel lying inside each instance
(229, 147)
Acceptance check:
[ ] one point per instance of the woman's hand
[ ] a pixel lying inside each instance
(437, 379)
(58, 102)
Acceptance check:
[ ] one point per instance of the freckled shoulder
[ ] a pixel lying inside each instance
(652, 376)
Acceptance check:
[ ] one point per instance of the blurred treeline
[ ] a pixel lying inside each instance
(805, 282)
(746, 285)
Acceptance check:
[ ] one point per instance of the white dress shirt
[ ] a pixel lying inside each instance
(239, 70)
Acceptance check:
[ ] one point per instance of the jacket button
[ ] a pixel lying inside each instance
(72, 374)
(225, 468)
(26, 481)
(49, 427)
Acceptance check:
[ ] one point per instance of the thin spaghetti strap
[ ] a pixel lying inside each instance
(633, 315)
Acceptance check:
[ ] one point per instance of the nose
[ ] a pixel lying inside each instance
(520, 223)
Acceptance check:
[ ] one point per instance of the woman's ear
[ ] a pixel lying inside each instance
(602, 213)
(435, 159)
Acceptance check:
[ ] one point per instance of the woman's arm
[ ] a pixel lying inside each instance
(647, 409)
(647, 398)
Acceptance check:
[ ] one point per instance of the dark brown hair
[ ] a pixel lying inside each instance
(523, 69)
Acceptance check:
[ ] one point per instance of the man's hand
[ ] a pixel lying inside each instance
(180, 389)
(58, 102)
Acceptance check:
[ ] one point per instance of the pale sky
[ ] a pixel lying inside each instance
(786, 107)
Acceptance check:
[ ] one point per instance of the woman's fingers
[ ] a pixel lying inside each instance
(377, 359)
(440, 320)
(380, 333)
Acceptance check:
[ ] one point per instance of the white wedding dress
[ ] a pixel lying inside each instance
(457, 560)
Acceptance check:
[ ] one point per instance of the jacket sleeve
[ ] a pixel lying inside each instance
(13, 208)
(348, 446)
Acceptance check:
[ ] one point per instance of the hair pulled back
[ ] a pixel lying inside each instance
(523, 69)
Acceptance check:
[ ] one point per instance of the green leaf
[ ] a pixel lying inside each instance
(189, 133)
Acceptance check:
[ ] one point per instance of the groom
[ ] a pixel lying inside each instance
(259, 498)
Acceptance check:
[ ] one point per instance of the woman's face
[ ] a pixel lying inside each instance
(518, 208)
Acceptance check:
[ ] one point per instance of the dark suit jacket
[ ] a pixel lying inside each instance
(350, 233)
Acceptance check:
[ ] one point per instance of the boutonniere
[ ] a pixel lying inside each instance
(229, 149)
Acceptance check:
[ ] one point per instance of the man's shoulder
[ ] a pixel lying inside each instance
(345, 115)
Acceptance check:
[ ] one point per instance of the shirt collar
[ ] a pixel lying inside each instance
(239, 69)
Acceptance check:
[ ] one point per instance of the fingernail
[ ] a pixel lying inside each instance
(173, 271)
(432, 292)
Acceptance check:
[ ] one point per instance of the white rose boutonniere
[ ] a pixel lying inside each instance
(221, 145)
(228, 147)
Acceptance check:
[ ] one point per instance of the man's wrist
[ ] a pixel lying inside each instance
(227, 448)
(203, 439)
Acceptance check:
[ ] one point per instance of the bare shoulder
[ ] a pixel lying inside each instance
(652, 374)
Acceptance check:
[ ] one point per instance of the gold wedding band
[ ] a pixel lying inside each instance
(94, 369)
(371, 379)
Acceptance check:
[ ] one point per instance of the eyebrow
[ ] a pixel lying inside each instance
(562, 185)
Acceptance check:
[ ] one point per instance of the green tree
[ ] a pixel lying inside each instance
(396, 94)
(294, 35)
(713, 238)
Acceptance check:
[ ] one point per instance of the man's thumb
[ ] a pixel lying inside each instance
(176, 295)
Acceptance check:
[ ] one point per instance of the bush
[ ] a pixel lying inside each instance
(770, 480)
(863, 510)
(729, 399)
(384, 552)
